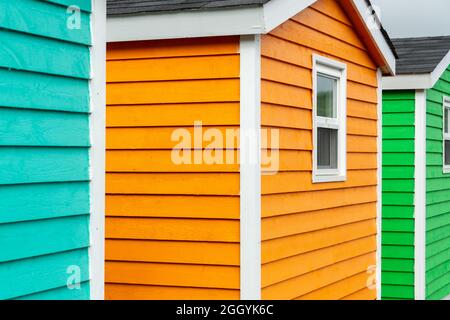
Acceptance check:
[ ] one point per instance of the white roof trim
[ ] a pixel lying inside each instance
(227, 22)
(377, 36)
(417, 81)
(208, 23)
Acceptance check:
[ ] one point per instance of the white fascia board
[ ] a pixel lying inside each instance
(420, 196)
(97, 151)
(377, 36)
(186, 24)
(206, 23)
(417, 81)
(250, 167)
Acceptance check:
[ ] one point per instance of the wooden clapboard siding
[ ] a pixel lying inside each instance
(44, 149)
(437, 196)
(398, 195)
(318, 240)
(172, 230)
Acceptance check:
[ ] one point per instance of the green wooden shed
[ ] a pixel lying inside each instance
(416, 172)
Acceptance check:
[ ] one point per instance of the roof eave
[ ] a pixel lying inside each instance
(417, 81)
(233, 21)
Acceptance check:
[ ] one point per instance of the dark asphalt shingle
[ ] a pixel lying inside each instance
(122, 7)
(420, 55)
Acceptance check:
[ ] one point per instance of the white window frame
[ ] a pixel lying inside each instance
(445, 136)
(338, 70)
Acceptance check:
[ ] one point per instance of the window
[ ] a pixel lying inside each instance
(446, 134)
(329, 120)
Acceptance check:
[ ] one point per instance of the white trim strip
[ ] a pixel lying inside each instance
(226, 22)
(417, 81)
(377, 36)
(97, 150)
(250, 168)
(420, 195)
(379, 177)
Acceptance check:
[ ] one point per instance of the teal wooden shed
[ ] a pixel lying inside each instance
(416, 172)
(51, 156)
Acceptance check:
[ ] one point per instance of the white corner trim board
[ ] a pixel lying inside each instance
(417, 81)
(419, 195)
(379, 177)
(250, 167)
(97, 150)
(226, 22)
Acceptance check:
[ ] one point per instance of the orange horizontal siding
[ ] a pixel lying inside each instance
(318, 240)
(146, 292)
(172, 230)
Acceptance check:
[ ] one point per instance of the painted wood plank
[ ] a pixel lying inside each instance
(48, 55)
(62, 293)
(40, 165)
(35, 238)
(172, 229)
(22, 127)
(43, 201)
(85, 5)
(28, 276)
(44, 19)
(39, 91)
(115, 291)
(224, 277)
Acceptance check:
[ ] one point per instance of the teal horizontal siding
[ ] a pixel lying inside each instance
(24, 127)
(45, 19)
(437, 196)
(398, 157)
(49, 55)
(44, 149)
(43, 91)
(63, 293)
(29, 276)
(53, 236)
(43, 201)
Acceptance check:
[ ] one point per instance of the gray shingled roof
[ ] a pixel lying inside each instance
(121, 7)
(420, 55)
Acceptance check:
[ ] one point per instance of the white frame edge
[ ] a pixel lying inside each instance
(377, 36)
(341, 68)
(97, 151)
(445, 104)
(208, 23)
(250, 172)
(379, 178)
(417, 81)
(419, 195)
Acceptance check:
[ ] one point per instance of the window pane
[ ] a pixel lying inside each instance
(446, 120)
(447, 152)
(326, 96)
(327, 146)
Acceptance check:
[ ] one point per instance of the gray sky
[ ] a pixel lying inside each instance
(415, 18)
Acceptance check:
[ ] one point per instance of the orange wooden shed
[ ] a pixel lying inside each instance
(199, 98)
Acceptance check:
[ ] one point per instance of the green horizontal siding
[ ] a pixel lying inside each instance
(44, 150)
(438, 197)
(397, 276)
